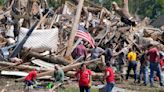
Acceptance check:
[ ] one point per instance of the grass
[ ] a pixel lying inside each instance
(75, 89)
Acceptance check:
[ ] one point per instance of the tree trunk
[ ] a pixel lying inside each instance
(22, 67)
(65, 68)
(51, 59)
(95, 76)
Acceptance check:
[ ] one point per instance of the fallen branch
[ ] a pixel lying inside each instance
(95, 76)
(52, 59)
(22, 67)
(65, 68)
(9, 8)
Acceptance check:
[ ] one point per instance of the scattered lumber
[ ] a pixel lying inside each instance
(95, 76)
(22, 67)
(117, 28)
(43, 64)
(14, 73)
(65, 68)
(74, 28)
(50, 58)
(8, 8)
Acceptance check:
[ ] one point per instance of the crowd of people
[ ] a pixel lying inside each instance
(151, 59)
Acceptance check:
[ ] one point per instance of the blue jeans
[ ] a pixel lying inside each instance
(109, 87)
(84, 88)
(155, 66)
(132, 65)
(29, 82)
(144, 71)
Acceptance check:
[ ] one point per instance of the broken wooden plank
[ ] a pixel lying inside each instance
(8, 8)
(14, 73)
(52, 59)
(43, 64)
(74, 28)
(42, 19)
(17, 60)
(22, 67)
(65, 68)
(95, 76)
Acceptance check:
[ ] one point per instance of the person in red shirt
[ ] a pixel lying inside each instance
(80, 51)
(109, 77)
(153, 57)
(30, 79)
(161, 63)
(84, 76)
(161, 59)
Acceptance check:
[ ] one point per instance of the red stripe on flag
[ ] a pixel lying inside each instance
(86, 36)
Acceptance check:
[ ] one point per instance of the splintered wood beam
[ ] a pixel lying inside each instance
(65, 68)
(51, 59)
(22, 67)
(8, 8)
(42, 20)
(75, 27)
(95, 76)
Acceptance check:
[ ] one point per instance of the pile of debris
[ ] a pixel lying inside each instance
(36, 36)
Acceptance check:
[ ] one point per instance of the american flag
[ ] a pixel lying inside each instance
(85, 35)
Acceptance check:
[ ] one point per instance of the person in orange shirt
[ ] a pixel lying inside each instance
(132, 64)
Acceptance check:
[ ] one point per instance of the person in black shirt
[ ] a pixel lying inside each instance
(143, 69)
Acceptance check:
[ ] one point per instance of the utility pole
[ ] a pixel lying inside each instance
(74, 28)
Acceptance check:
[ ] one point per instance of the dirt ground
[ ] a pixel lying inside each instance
(130, 85)
(7, 84)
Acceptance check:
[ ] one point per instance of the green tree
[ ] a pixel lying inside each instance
(149, 8)
(2, 2)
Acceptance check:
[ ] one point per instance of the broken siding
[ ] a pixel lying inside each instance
(39, 39)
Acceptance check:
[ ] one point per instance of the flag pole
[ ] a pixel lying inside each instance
(74, 28)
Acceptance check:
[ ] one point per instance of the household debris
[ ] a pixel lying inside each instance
(52, 36)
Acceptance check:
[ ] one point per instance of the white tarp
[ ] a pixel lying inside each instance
(47, 39)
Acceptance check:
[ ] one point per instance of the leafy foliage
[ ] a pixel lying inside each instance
(54, 3)
(149, 8)
(2, 2)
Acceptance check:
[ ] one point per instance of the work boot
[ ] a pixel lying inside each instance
(138, 81)
(151, 85)
(161, 84)
(135, 81)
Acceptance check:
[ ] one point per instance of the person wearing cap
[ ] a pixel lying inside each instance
(30, 79)
(153, 58)
(109, 77)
